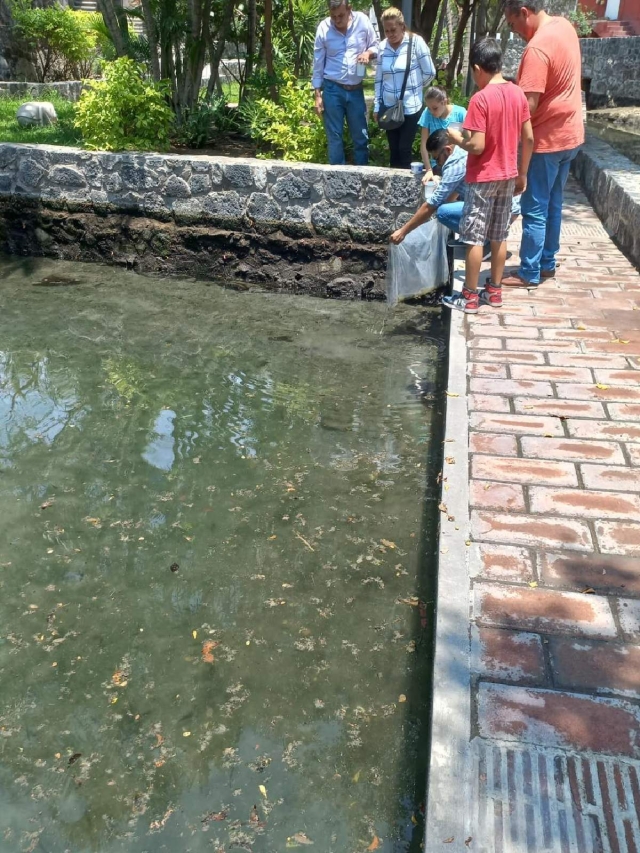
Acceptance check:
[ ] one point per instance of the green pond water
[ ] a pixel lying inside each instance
(217, 557)
(625, 141)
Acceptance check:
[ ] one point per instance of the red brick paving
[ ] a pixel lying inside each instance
(554, 427)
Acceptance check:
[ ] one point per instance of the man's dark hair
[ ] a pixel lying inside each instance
(437, 140)
(516, 6)
(486, 54)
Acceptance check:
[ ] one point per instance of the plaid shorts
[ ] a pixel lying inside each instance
(487, 211)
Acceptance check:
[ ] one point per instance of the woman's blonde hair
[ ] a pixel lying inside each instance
(393, 14)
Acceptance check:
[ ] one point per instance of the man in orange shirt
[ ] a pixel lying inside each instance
(549, 75)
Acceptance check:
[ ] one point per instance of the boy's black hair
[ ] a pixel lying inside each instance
(437, 140)
(486, 54)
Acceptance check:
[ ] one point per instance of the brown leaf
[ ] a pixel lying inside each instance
(207, 651)
(374, 844)
(174, 567)
(450, 460)
(467, 841)
(301, 838)
(449, 840)
(75, 757)
(588, 591)
(46, 505)
(388, 544)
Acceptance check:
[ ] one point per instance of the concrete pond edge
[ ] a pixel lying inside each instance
(448, 811)
(611, 182)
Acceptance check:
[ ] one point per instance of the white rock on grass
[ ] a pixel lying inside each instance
(35, 113)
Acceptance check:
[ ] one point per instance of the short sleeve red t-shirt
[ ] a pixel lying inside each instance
(551, 65)
(499, 111)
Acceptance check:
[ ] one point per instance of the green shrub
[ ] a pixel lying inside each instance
(62, 43)
(582, 21)
(125, 112)
(290, 127)
(205, 121)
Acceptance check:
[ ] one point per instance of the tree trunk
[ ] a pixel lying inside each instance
(439, 29)
(216, 50)
(195, 51)
(377, 8)
(112, 16)
(458, 41)
(252, 26)
(426, 18)
(152, 38)
(268, 46)
(451, 11)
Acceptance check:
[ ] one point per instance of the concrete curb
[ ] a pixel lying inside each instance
(449, 782)
(611, 182)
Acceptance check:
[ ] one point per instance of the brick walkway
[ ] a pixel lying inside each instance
(554, 467)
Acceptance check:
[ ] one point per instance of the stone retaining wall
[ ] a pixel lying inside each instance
(324, 228)
(611, 182)
(612, 68)
(40, 91)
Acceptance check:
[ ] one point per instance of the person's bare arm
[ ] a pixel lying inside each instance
(423, 214)
(533, 99)
(526, 150)
(472, 141)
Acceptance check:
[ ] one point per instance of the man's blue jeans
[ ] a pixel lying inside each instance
(450, 214)
(542, 212)
(340, 104)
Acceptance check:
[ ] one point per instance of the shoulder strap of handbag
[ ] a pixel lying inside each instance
(407, 69)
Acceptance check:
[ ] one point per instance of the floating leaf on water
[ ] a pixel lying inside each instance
(300, 838)
(194, 634)
(271, 538)
(376, 841)
(402, 698)
(174, 567)
(186, 734)
(356, 776)
(46, 504)
(388, 544)
(75, 757)
(414, 601)
(207, 651)
(263, 790)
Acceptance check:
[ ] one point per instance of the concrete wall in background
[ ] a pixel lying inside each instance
(611, 71)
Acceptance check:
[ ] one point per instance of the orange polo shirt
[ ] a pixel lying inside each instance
(551, 65)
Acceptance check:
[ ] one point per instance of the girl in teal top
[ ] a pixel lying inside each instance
(438, 115)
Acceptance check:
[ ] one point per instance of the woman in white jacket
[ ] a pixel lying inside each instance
(390, 72)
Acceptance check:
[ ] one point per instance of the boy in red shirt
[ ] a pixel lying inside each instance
(497, 120)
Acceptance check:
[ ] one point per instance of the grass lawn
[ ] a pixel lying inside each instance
(62, 133)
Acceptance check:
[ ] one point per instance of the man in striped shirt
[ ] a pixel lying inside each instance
(343, 40)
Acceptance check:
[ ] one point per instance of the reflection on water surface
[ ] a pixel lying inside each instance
(214, 566)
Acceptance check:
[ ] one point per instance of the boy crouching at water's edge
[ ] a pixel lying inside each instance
(497, 120)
